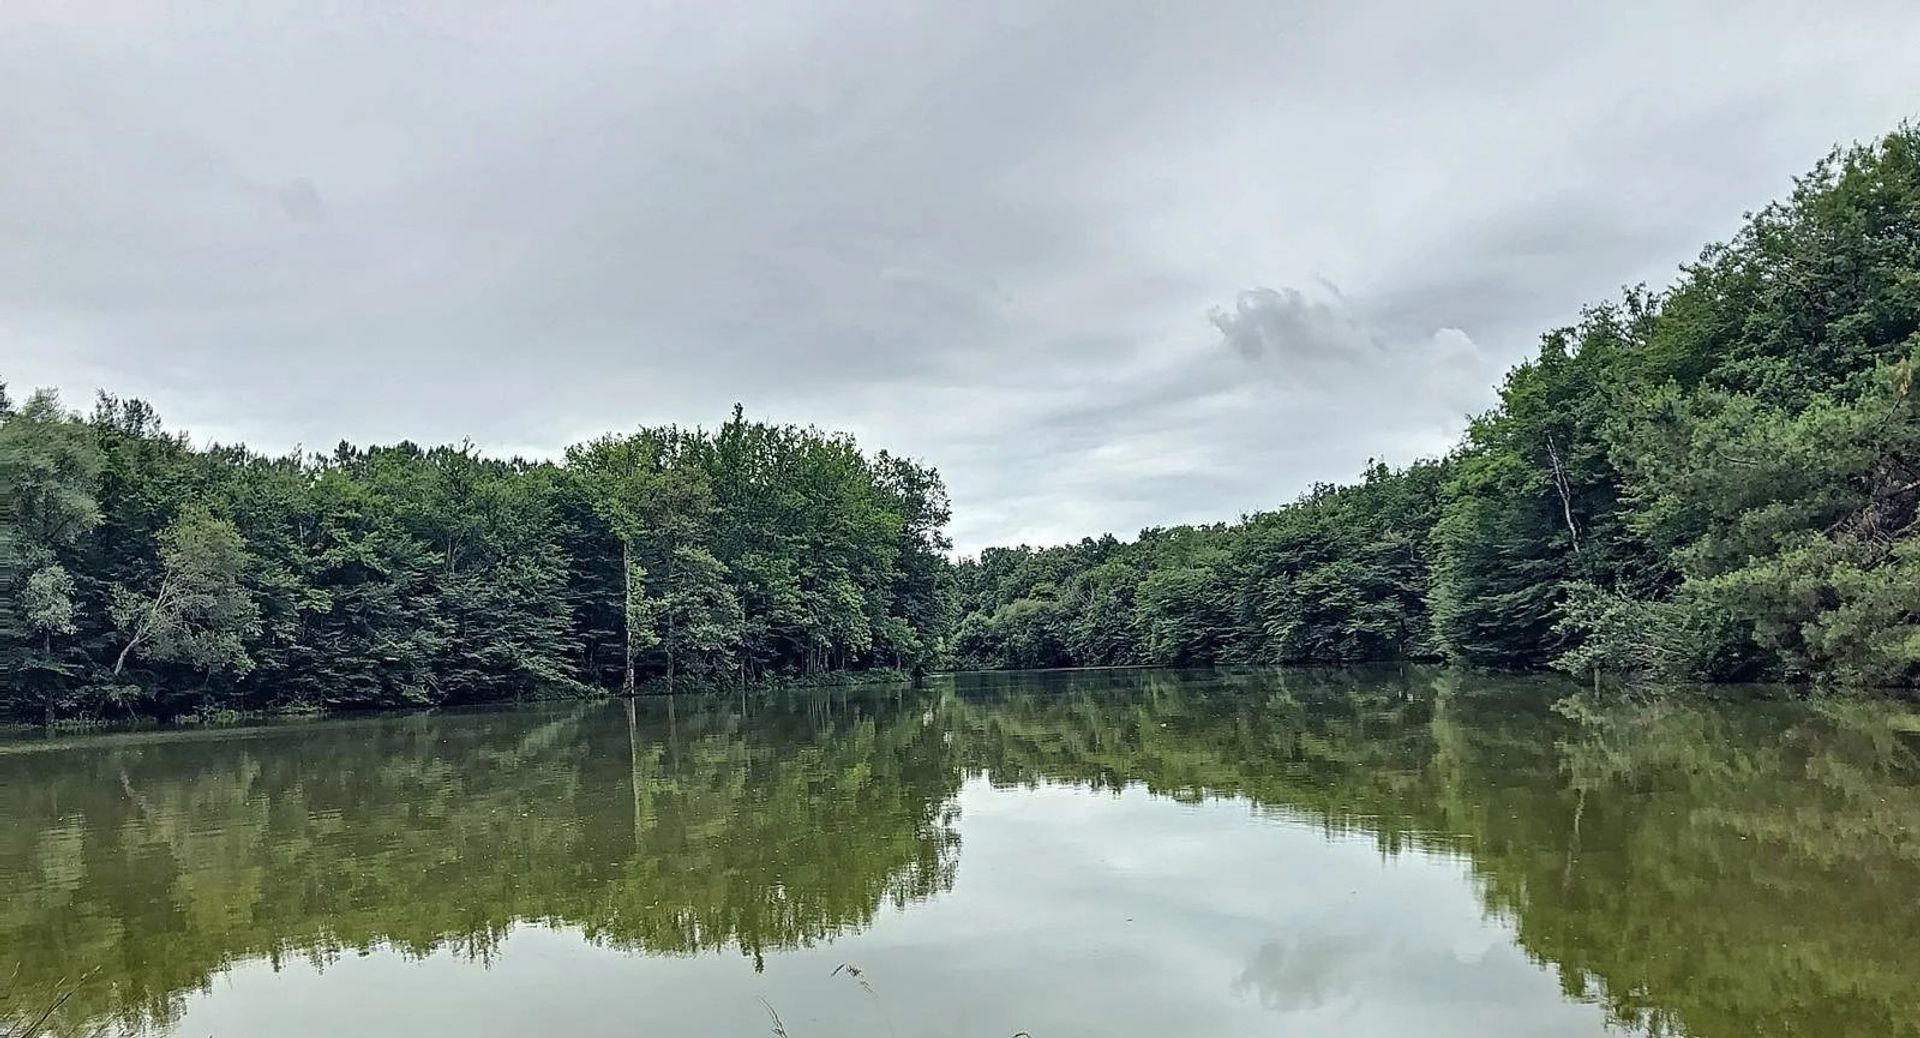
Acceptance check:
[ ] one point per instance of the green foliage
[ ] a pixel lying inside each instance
(143, 574)
(49, 468)
(47, 601)
(1765, 449)
(1532, 507)
(1682, 638)
(1340, 575)
(198, 611)
(49, 477)
(1185, 615)
(699, 613)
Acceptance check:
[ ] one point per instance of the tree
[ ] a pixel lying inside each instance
(618, 474)
(676, 515)
(1186, 616)
(698, 614)
(1769, 448)
(46, 600)
(198, 612)
(49, 471)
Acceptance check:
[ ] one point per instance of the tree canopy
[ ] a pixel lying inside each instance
(147, 575)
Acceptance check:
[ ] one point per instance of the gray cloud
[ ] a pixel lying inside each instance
(1287, 323)
(301, 201)
(1327, 351)
(988, 234)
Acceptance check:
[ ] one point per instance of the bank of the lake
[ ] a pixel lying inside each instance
(694, 688)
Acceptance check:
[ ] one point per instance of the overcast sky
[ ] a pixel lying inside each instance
(1107, 264)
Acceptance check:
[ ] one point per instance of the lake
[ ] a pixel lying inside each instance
(1370, 852)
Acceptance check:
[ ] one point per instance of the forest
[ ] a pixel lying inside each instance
(1714, 482)
(148, 577)
(1717, 481)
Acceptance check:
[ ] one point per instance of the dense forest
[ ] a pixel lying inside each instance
(145, 576)
(1717, 481)
(1713, 482)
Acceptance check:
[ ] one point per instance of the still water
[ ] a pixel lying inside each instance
(1116, 854)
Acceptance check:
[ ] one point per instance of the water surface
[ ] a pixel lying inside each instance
(1355, 853)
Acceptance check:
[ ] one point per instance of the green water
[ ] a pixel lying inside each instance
(1118, 854)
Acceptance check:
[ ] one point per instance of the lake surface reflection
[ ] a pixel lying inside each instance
(1134, 853)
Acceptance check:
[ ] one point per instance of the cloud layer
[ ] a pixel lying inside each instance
(1081, 256)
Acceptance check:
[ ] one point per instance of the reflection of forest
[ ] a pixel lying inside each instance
(1748, 869)
(1743, 868)
(161, 860)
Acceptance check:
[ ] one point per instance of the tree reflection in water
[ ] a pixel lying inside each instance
(1695, 867)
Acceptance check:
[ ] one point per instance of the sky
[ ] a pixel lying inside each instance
(1105, 264)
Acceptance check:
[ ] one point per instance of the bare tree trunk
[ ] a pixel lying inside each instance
(120, 662)
(672, 627)
(673, 653)
(626, 613)
(1561, 483)
(145, 626)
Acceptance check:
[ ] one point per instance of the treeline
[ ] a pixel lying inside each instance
(143, 575)
(1714, 482)
(1340, 575)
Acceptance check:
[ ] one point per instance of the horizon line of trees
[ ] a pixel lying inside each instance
(144, 576)
(1715, 482)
